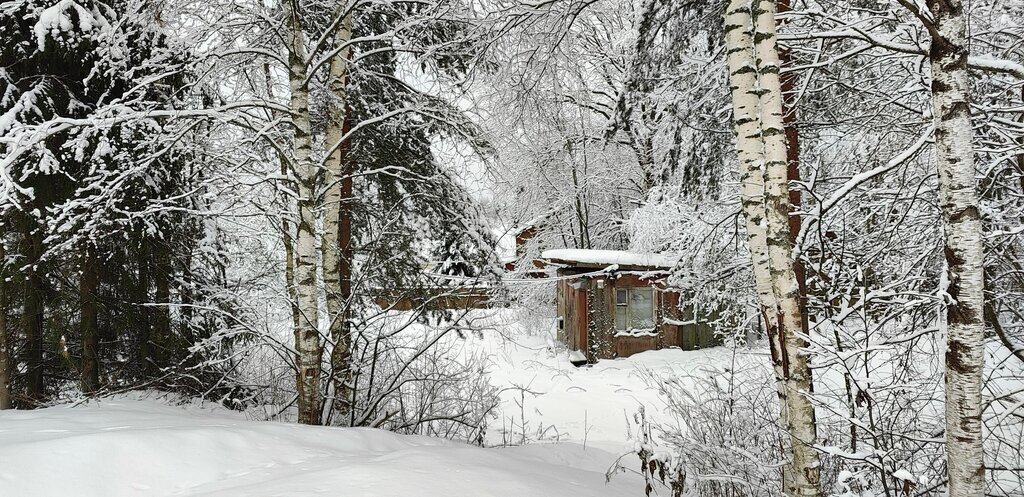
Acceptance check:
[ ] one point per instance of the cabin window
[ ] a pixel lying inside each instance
(634, 309)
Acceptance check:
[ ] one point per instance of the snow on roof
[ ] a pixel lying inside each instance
(610, 257)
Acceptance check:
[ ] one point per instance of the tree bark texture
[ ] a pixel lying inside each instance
(32, 315)
(5, 341)
(337, 241)
(756, 90)
(961, 222)
(308, 347)
(162, 272)
(145, 359)
(88, 287)
(801, 423)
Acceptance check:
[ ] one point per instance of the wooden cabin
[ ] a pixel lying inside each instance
(616, 304)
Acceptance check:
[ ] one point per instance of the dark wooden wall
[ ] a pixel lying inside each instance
(601, 319)
(438, 299)
(572, 309)
(588, 319)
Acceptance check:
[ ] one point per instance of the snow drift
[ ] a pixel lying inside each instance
(133, 447)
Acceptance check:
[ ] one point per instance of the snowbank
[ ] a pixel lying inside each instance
(132, 447)
(140, 447)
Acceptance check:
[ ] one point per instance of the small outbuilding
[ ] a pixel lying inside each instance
(615, 304)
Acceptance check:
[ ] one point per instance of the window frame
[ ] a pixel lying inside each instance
(628, 291)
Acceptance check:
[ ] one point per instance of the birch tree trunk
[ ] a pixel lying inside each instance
(754, 64)
(308, 348)
(787, 81)
(801, 423)
(337, 243)
(746, 121)
(286, 230)
(961, 221)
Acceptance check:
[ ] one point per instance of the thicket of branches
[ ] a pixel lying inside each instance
(232, 199)
(167, 207)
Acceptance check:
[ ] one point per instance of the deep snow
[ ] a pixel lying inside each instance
(140, 447)
(578, 421)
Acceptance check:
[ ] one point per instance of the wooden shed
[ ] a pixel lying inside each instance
(616, 304)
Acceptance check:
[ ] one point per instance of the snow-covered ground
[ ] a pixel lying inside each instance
(593, 404)
(135, 447)
(578, 421)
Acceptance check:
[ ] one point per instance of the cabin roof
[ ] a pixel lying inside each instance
(603, 258)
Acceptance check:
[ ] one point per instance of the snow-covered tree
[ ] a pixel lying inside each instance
(102, 169)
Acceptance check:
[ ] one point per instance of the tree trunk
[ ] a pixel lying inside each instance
(954, 157)
(286, 230)
(787, 81)
(145, 358)
(5, 342)
(802, 424)
(308, 348)
(762, 152)
(749, 152)
(32, 315)
(87, 290)
(337, 242)
(162, 272)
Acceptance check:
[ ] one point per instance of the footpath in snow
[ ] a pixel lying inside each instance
(594, 404)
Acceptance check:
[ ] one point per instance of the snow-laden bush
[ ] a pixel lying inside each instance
(417, 378)
(713, 270)
(723, 436)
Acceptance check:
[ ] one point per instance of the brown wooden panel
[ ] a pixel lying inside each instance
(572, 309)
(560, 308)
(626, 346)
(601, 317)
(580, 321)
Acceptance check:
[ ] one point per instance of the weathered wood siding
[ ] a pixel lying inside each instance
(588, 319)
(572, 310)
(699, 335)
(563, 333)
(601, 319)
(671, 335)
(627, 346)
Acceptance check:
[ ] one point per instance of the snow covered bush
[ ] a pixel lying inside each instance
(412, 372)
(416, 377)
(712, 271)
(723, 436)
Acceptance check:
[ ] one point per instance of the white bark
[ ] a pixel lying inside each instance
(954, 158)
(805, 479)
(308, 346)
(746, 120)
(336, 249)
(761, 148)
